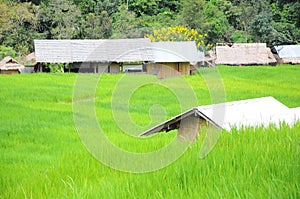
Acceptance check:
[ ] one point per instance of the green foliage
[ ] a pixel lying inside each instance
(59, 19)
(153, 7)
(217, 25)
(57, 68)
(125, 23)
(192, 13)
(6, 51)
(147, 7)
(261, 28)
(19, 25)
(98, 6)
(285, 33)
(286, 23)
(96, 26)
(240, 36)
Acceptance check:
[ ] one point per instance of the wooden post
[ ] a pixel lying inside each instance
(189, 128)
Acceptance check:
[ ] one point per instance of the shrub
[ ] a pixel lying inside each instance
(6, 51)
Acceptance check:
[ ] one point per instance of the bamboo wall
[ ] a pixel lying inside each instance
(9, 72)
(166, 70)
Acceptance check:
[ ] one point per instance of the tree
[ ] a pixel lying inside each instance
(19, 26)
(125, 24)
(192, 14)
(59, 19)
(246, 10)
(153, 7)
(261, 28)
(144, 7)
(217, 24)
(284, 33)
(240, 36)
(96, 26)
(178, 33)
(6, 51)
(98, 6)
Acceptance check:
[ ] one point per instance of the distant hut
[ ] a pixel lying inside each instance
(165, 59)
(30, 57)
(289, 54)
(174, 58)
(30, 63)
(94, 56)
(241, 114)
(244, 54)
(10, 66)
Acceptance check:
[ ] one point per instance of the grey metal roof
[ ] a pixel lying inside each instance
(110, 50)
(177, 51)
(289, 53)
(245, 113)
(286, 51)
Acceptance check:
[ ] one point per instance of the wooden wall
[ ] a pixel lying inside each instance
(166, 70)
(9, 72)
(114, 68)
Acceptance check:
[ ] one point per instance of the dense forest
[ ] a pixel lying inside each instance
(271, 21)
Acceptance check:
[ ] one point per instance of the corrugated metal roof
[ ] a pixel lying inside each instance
(245, 113)
(289, 53)
(177, 51)
(110, 50)
(244, 54)
(253, 112)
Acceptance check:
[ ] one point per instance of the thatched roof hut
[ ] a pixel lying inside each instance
(30, 57)
(244, 54)
(10, 66)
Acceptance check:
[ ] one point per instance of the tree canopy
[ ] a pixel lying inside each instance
(271, 21)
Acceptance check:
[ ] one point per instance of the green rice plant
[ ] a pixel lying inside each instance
(43, 157)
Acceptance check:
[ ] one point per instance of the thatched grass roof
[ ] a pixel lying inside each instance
(244, 54)
(105, 50)
(30, 57)
(8, 63)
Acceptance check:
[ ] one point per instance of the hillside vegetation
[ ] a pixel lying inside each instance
(21, 21)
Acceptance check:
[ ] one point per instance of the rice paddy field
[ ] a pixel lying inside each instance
(42, 155)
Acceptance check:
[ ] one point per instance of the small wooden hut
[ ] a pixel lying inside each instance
(10, 66)
(256, 112)
(30, 57)
(174, 58)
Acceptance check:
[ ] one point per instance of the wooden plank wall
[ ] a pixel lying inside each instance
(166, 70)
